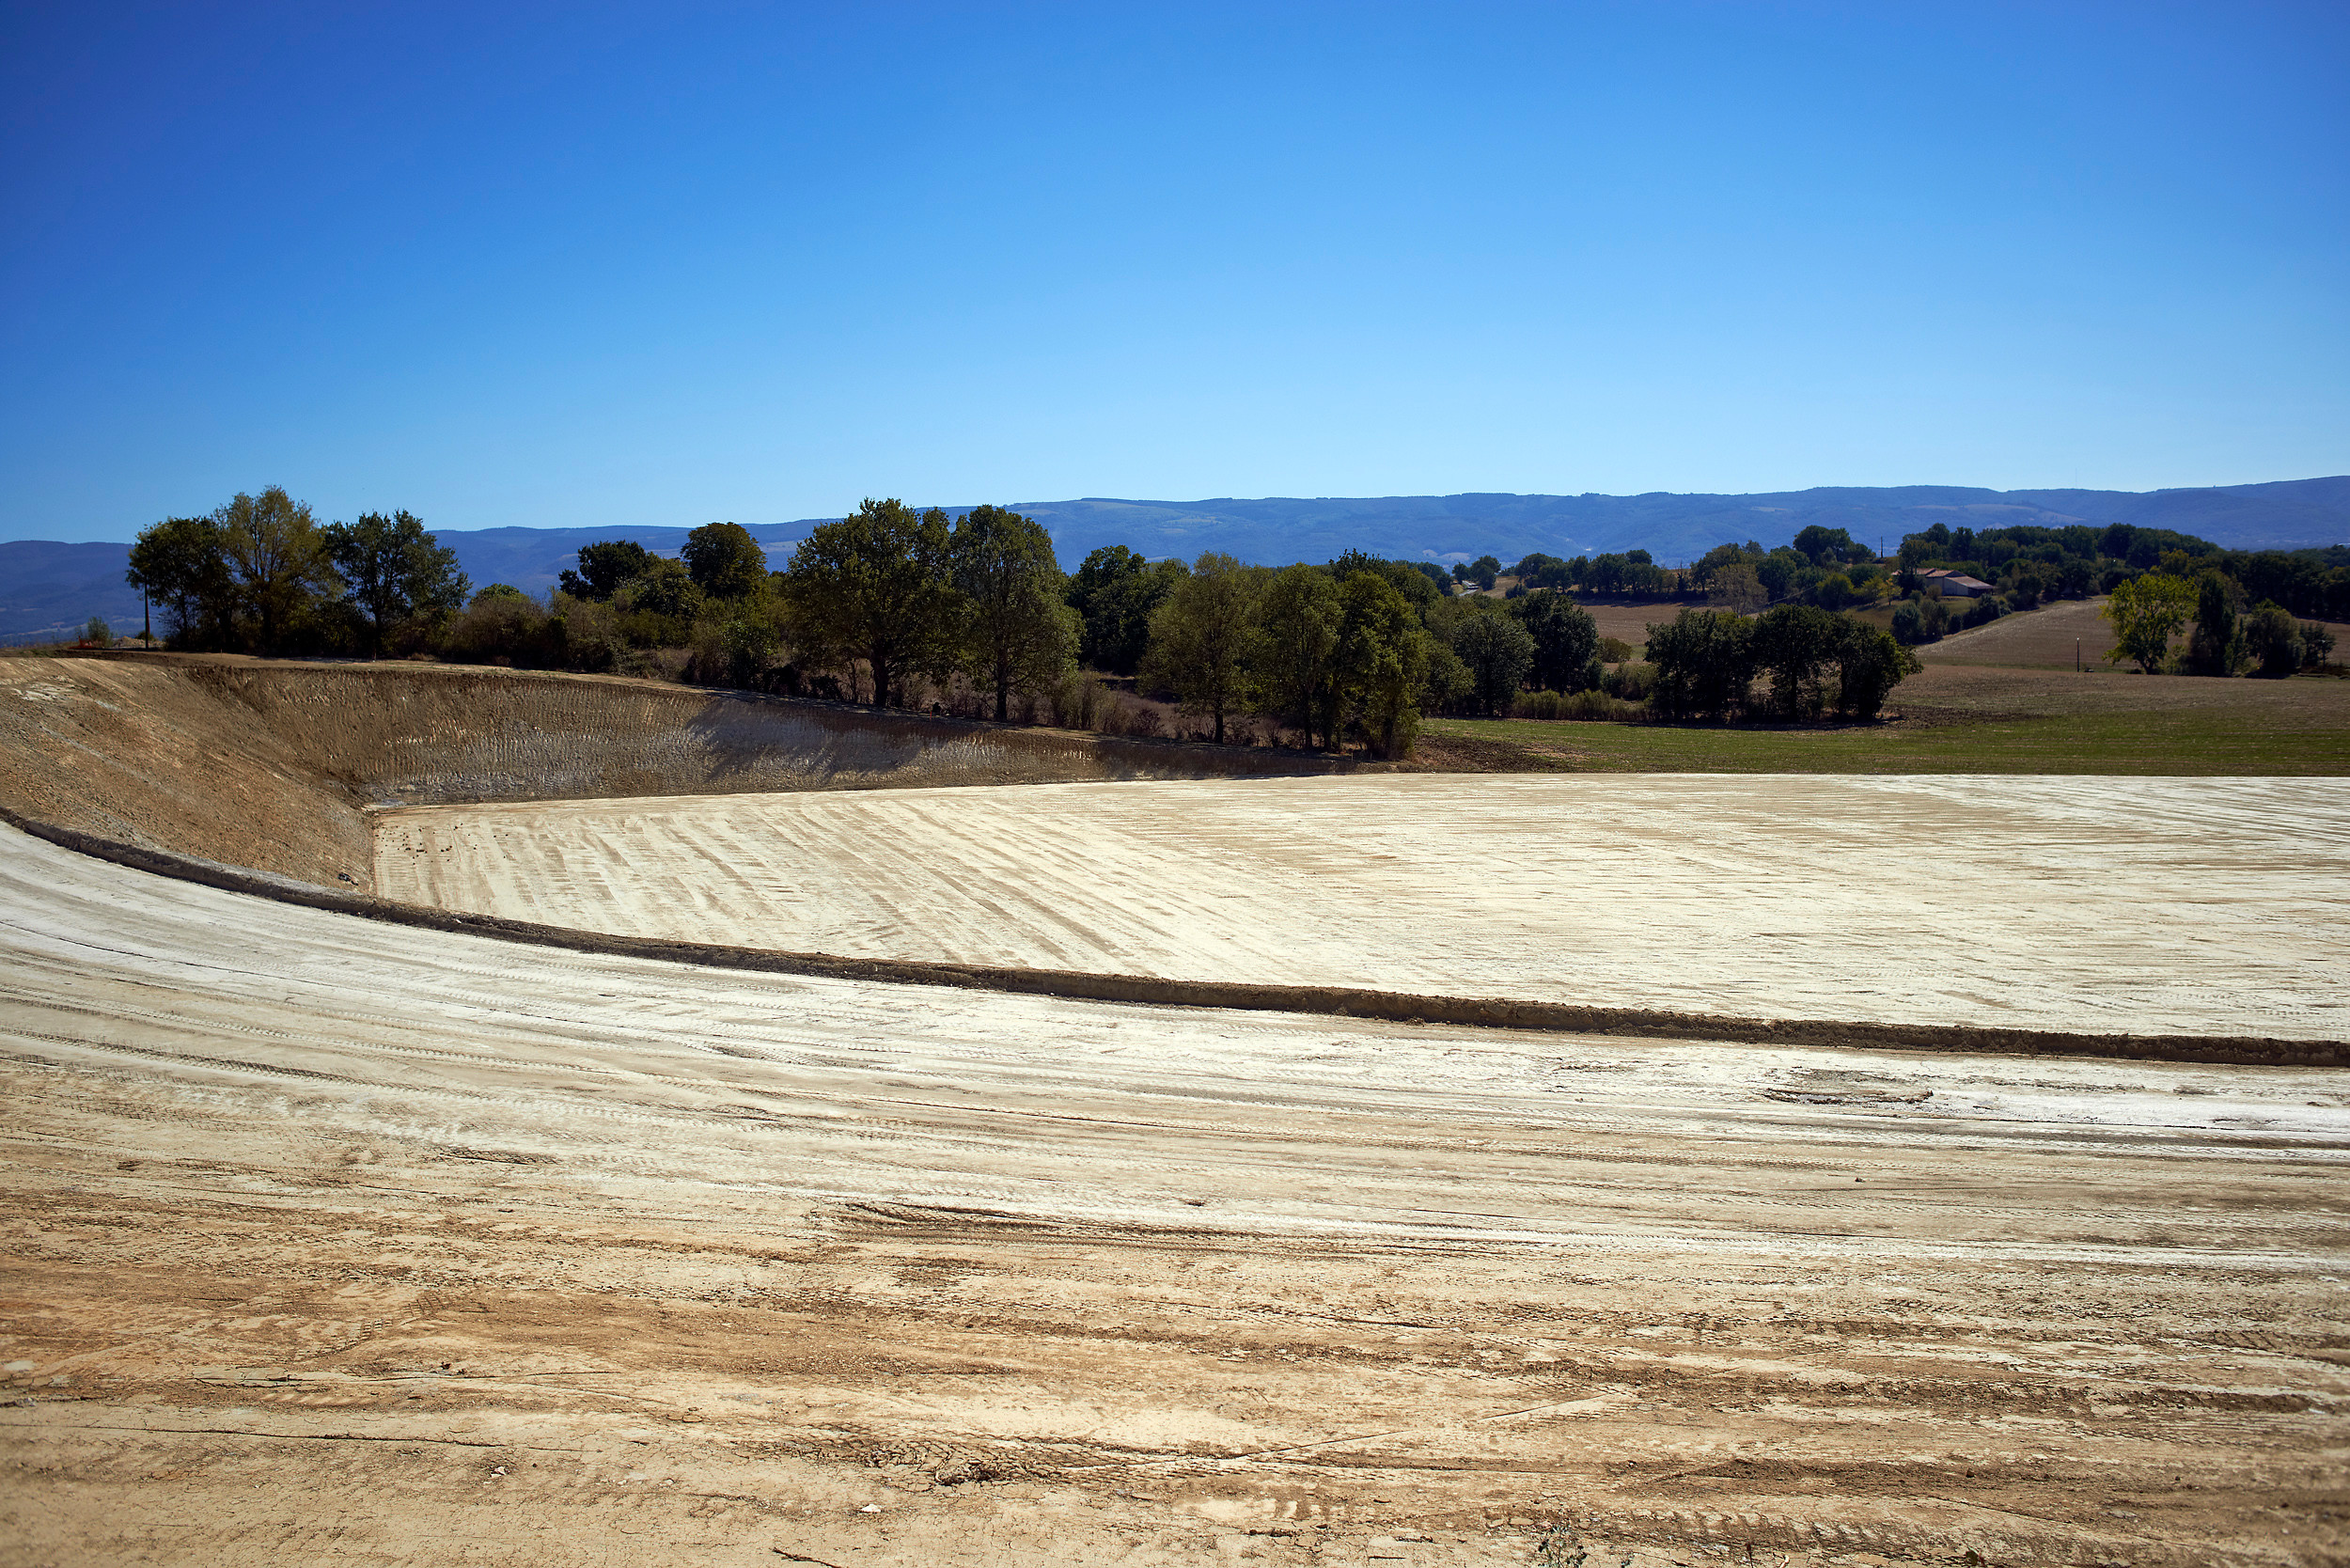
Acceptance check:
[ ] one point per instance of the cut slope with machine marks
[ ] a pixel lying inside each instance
(528, 1241)
(267, 764)
(2192, 906)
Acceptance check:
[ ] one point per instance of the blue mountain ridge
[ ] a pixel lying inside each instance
(47, 589)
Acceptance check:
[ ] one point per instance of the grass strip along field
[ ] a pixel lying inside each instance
(1963, 719)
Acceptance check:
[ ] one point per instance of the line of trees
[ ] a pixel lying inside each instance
(904, 608)
(2147, 611)
(1708, 663)
(262, 574)
(2265, 590)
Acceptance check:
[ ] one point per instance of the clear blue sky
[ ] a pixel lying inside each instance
(666, 264)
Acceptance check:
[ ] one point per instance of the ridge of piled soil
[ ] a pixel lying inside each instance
(270, 764)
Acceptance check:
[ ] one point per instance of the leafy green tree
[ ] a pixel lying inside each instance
(725, 562)
(1704, 661)
(873, 586)
(2272, 638)
(1446, 685)
(1297, 641)
(1381, 658)
(277, 555)
(2215, 647)
(1722, 555)
(666, 588)
(604, 567)
(1738, 587)
(2146, 612)
(181, 563)
(1018, 632)
(394, 570)
(1778, 572)
(1498, 650)
(1869, 665)
(749, 640)
(1827, 548)
(1566, 642)
(1202, 638)
(2317, 644)
(1484, 571)
(1116, 593)
(1793, 645)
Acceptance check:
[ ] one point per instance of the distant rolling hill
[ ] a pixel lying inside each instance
(49, 589)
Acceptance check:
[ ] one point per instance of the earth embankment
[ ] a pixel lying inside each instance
(338, 1240)
(2196, 907)
(271, 764)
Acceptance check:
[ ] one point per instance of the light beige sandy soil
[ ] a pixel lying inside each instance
(331, 1241)
(268, 763)
(2193, 906)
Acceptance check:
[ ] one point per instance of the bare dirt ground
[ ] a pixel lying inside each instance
(2192, 906)
(342, 1242)
(2044, 639)
(1629, 620)
(268, 763)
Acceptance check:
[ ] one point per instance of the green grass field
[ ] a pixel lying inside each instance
(1963, 719)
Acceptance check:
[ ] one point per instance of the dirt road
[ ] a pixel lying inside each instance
(346, 1241)
(2193, 906)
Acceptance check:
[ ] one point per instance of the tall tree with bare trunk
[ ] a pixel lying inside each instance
(873, 586)
(1018, 634)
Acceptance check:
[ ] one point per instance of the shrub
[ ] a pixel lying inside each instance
(2273, 640)
(1614, 650)
(1869, 665)
(507, 629)
(1586, 704)
(1078, 700)
(1632, 681)
(1140, 719)
(591, 634)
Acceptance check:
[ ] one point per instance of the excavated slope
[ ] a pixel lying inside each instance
(269, 765)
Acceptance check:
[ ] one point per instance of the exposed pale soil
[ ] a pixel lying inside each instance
(2191, 906)
(342, 1242)
(267, 764)
(349, 1242)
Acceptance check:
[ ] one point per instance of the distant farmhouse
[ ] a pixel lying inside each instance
(1955, 585)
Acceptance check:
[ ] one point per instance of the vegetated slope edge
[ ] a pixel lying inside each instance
(1338, 1001)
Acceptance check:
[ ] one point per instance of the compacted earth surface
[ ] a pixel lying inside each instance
(336, 1239)
(341, 1241)
(2178, 906)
